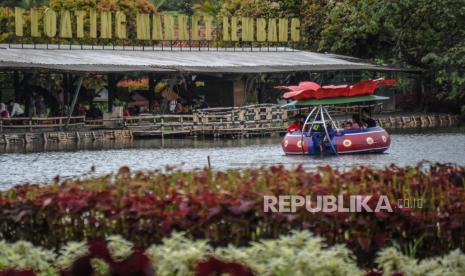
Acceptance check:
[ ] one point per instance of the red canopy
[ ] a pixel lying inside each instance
(311, 90)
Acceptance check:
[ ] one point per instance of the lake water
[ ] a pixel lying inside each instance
(39, 165)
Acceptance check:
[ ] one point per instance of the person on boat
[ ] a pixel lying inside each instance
(296, 125)
(356, 123)
(367, 121)
(348, 125)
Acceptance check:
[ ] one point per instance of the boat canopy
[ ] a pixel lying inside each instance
(337, 101)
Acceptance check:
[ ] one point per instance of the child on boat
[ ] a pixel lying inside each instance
(296, 125)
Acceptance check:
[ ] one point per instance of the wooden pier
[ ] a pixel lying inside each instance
(236, 122)
(65, 136)
(260, 121)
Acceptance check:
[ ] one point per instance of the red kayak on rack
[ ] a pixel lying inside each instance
(311, 90)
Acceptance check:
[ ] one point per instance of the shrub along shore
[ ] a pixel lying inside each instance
(299, 253)
(143, 212)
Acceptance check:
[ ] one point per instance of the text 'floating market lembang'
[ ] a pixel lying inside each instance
(95, 24)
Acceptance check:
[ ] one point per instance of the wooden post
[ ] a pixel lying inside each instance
(421, 91)
(151, 94)
(73, 103)
(28, 97)
(16, 86)
(66, 89)
(111, 91)
(162, 126)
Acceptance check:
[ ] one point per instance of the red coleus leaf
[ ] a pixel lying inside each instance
(365, 243)
(12, 272)
(98, 249)
(374, 273)
(213, 212)
(136, 264)
(81, 267)
(215, 267)
(456, 222)
(23, 213)
(75, 206)
(380, 238)
(243, 207)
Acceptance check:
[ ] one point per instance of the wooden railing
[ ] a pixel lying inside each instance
(205, 121)
(31, 124)
(212, 121)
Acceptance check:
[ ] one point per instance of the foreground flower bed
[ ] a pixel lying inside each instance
(297, 254)
(227, 208)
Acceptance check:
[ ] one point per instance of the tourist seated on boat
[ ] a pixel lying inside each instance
(348, 125)
(356, 122)
(367, 121)
(296, 125)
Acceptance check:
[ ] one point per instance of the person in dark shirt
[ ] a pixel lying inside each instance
(94, 112)
(367, 121)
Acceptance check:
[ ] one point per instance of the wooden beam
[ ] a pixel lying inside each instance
(111, 91)
(66, 88)
(27, 95)
(16, 86)
(73, 104)
(151, 94)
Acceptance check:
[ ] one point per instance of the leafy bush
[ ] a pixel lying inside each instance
(227, 208)
(299, 253)
(391, 261)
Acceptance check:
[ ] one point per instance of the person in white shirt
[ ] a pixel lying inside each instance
(16, 109)
(173, 104)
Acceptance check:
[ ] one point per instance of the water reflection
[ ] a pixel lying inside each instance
(136, 144)
(42, 163)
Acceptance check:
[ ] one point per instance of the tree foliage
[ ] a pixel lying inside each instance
(421, 33)
(425, 34)
(23, 3)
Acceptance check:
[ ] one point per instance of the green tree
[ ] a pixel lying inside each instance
(208, 7)
(23, 3)
(422, 33)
